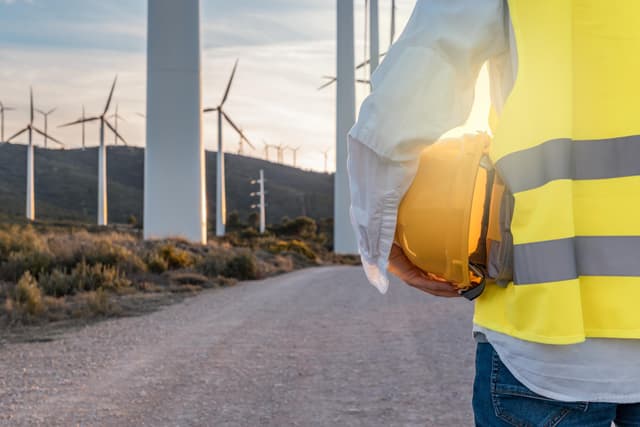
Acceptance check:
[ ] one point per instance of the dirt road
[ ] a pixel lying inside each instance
(317, 347)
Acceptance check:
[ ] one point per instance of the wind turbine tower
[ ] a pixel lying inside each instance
(175, 201)
(3, 108)
(221, 185)
(393, 21)
(102, 154)
(343, 234)
(374, 43)
(30, 196)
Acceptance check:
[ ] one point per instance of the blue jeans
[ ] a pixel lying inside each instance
(499, 399)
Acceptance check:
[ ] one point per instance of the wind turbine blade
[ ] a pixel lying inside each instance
(329, 83)
(77, 122)
(31, 98)
(237, 129)
(363, 81)
(141, 115)
(18, 134)
(226, 92)
(210, 109)
(116, 132)
(8, 109)
(40, 111)
(113, 87)
(52, 110)
(329, 77)
(47, 136)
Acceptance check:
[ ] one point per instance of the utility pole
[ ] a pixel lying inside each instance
(261, 204)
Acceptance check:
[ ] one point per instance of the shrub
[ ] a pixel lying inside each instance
(243, 267)
(295, 246)
(28, 296)
(175, 257)
(156, 263)
(93, 277)
(25, 260)
(20, 239)
(57, 283)
(302, 226)
(212, 265)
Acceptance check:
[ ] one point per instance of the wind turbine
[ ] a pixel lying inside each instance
(326, 159)
(221, 197)
(241, 144)
(102, 154)
(46, 114)
(116, 117)
(3, 108)
(294, 151)
(372, 16)
(30, 173)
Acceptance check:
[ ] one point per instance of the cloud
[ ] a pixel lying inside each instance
(284, 47)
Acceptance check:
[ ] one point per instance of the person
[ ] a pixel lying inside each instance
(559, 343)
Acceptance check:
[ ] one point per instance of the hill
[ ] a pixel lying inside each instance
(66, 185)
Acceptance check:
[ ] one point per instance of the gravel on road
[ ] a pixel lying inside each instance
(317, 347)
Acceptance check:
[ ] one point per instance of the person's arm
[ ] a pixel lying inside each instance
(423, 88)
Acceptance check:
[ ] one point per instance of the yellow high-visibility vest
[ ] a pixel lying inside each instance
(568, 148)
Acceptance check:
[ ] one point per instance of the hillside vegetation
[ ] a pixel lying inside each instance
(52, 272)
(66, 185)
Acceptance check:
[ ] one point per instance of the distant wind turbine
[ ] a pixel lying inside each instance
(3, 108)
(102, 154)
(241, 145)
(30, 172)
(221, 197)
(294, 152)
(116, 117)
(46, 114)
(326, 159)
(372, 35)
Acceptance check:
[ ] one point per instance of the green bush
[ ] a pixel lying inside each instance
(58, 283)
(243, 267)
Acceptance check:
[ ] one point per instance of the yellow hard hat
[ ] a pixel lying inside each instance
(441, 217)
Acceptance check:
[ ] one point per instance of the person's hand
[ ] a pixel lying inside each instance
(400, 266)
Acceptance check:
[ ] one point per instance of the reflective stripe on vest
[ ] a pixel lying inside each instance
(568, 148)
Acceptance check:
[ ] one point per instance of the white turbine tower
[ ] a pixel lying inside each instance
(46, 115)
(30, 164)
(102, 154)
(344, 236)
(221, 196)
(393, 22)
(374, 42)
(175, 197)
(3, 108)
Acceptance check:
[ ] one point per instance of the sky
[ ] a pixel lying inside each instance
(70, 51)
